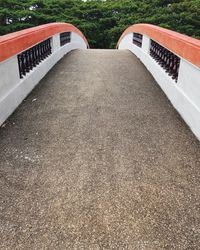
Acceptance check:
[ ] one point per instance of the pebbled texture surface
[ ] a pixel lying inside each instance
(96, 157)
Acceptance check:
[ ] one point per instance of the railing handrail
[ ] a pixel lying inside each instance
(182, 45)
(16, 42)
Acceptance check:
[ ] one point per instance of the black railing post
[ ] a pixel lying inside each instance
(65, 38)
(137, 39)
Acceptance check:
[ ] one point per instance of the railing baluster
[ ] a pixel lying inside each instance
(19, 57)
(65, 38)
(137, 39)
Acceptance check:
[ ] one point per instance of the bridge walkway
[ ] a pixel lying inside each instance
(96, 157)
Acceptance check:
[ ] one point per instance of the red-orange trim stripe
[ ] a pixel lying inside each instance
(14, 43)
(182, 45)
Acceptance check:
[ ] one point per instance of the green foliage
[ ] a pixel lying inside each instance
(102, 22)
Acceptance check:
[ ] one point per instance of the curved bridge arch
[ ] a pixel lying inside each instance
(26, 56)
(96, 156)
(174, 61)
(21, 40)
(182, 45)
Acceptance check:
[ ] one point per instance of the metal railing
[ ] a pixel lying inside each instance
(137, 39)
(65, 38)
(30, 58)
(166, 59)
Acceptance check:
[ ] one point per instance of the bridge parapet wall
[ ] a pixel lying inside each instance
(26, 57)
(174, 61)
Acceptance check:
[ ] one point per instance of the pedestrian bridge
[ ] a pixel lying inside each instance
(103, 153)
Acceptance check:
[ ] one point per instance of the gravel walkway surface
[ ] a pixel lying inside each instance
(96, 157)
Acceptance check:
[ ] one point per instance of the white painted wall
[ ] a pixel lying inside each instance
(78, 41)
(13, 90)
(185, 94)
(146, 44)
(55, 43)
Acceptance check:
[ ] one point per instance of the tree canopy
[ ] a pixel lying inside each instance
(102, 22)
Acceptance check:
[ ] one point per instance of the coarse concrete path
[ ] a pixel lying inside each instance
(97, 158)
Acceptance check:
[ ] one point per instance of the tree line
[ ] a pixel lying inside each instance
(102, 22)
